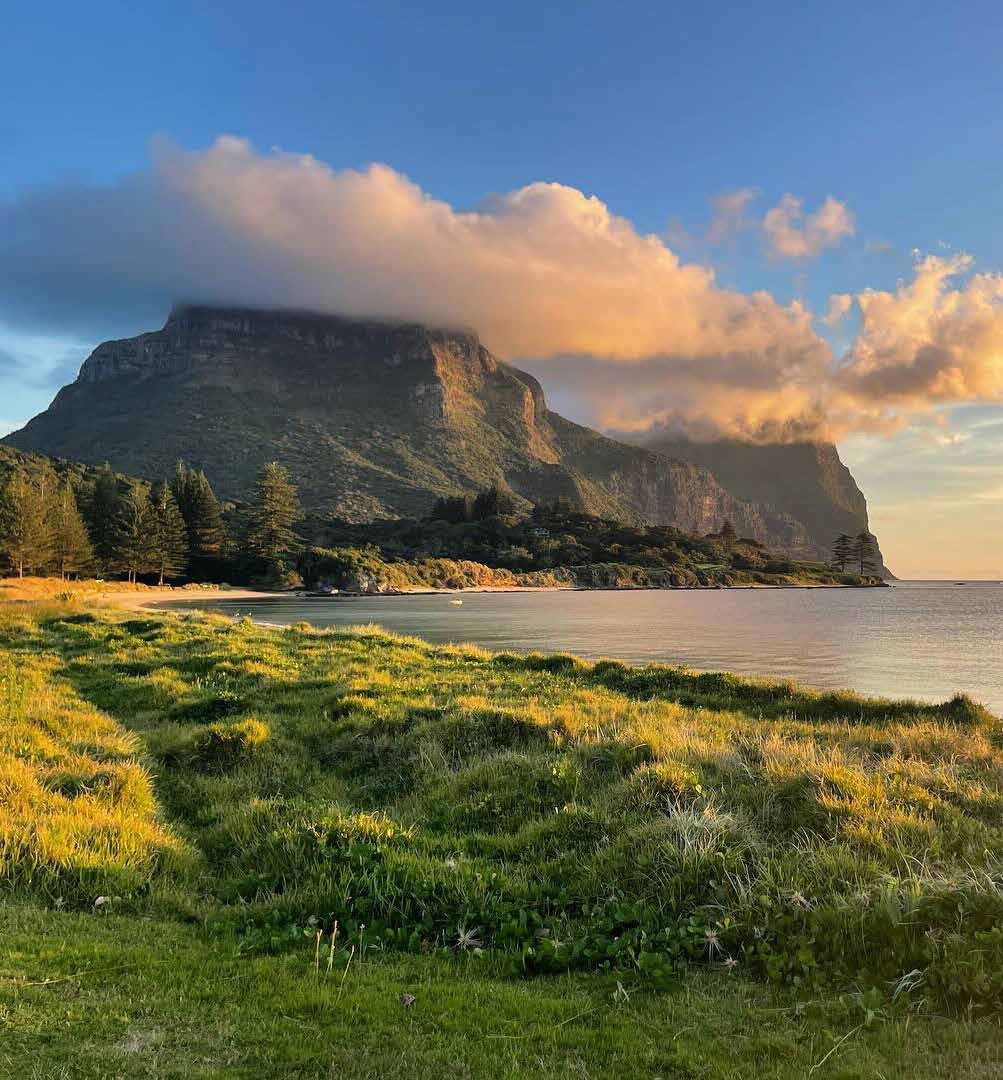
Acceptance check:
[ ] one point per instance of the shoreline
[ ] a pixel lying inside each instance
(155, 600)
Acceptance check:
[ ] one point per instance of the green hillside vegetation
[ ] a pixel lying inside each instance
(550, 815)
(485, 541)
(58, 518)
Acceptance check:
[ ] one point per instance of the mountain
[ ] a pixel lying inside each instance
(79, 474)
(805, 479)
(372, 419)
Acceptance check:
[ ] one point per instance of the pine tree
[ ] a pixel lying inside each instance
(271, 517)
(135, 528)
(201, 512)
(208, 534)
(25, 520)
(71, 544)
(842, 551)
(168, 547)
(863, 552)
(492, 502)
(102, 506)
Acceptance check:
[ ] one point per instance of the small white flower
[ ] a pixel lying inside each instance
(712, 943)
(468, 939)
(451, 863)
(730, 963)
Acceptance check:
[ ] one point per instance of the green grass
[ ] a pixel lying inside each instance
(84, 997)
(769, 868)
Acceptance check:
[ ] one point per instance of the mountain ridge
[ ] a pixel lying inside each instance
(372, 419)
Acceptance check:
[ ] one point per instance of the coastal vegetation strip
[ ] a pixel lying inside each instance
(67, 522)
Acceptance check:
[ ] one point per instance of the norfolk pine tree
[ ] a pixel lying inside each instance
(135, 526)
(71, 543)
(25, 520)
(271, 517)
(842, 551)
(169, 537)
(201, 512)
(102, 505)
(863, 553)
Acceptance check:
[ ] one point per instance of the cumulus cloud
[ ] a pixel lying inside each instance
(547, 275)
(840, 305)
(792, 235)
(933, 341)
(728, 214)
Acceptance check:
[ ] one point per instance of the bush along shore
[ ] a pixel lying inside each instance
(559, 815)
(486, 543)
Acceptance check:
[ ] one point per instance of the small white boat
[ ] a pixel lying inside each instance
(456, 601)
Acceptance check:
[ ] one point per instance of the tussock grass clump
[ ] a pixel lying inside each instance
(78, 816)
(577, 816)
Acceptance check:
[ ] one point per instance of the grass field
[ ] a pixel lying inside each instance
(576, 869)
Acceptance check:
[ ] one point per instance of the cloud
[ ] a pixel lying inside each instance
(878, 247)
(933, 341)
(791, 235)
(631, 335)
(839, 307)
(728, 214)
(33, 370)
(545, 271)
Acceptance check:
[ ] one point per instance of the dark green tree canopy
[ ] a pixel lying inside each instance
(863, 552)
(842, 552)
(200, 510)
(273, 513)
(169, 538)
(135, 524)
(101, 503)
(26, 502)
(72, 550)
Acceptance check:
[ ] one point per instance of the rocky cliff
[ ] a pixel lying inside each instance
(806, 480)
(372, 419)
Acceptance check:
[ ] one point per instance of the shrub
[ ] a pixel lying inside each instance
(222, 746)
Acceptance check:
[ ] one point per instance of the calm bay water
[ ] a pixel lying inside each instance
(924, 640)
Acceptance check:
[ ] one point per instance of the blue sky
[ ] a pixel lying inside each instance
(653, 108)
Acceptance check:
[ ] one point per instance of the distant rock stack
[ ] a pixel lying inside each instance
(805, 479)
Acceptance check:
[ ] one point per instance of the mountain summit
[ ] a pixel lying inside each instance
(376, 419)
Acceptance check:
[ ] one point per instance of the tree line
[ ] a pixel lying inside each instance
(171, 529)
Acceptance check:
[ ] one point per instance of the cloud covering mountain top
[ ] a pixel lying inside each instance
(544, 272)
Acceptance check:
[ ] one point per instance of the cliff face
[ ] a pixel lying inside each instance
(804, 479)
(371, 419)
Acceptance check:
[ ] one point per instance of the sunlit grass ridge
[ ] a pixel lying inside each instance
(559, 814)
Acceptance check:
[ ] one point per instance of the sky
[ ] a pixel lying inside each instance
(770, 221)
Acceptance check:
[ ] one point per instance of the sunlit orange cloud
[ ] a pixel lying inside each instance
(790, 234)
(927, 343)
(547, 275)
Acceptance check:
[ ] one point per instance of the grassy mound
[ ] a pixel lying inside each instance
(78, 816)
